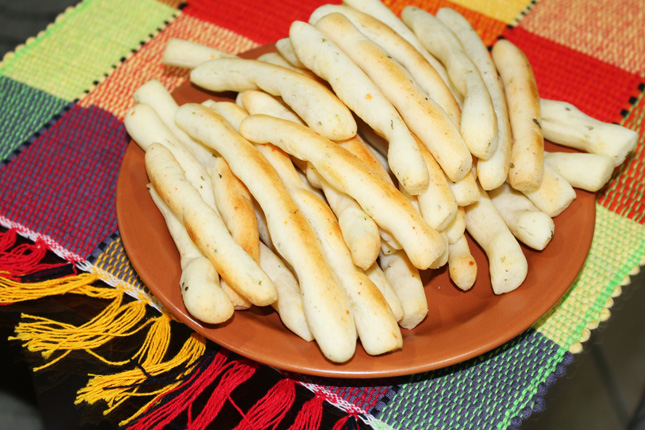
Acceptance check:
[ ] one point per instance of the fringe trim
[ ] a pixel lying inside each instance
(172, 385)
(183, 395)
(271, 409)
(21, 261)
(15, 291)
(114, 389)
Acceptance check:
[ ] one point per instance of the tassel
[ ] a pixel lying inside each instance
(341, 423)
(16, 262)
(271, 409)
(184, 395)
(47, 336)
(114, 389)
(238, 373)
(310, 415)
(12, 291)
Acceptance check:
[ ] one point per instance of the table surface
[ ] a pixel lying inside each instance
(73, 91)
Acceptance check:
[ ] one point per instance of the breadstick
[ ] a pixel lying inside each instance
(325, 303)
(187, 54)
(565, 124)
(527, 152)
(359, 230)
(229, 110)
(146, 127)
(154, 94)
(507, 264)
(466, 190)
(462, 266)
(381, 12)
(285, 48)
(376, 326)
(553, 195)
(236, 207)
(438, 204)
(313, 102)
(199, 282)
(456, 228)
(378, 198)
(491, 173)
(406, 282)
(289, 304)
(206, 229)
(278, 60)
(376, 274)
(528, 224)
(478, 122)
(402, 51)
(589, 172)
(423, 116)
(363, 97)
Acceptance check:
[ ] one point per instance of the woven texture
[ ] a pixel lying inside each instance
(63, 97)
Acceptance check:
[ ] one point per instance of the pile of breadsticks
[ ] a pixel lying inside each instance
(358, 154)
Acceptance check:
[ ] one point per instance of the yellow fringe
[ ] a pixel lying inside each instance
(114, 389)
(48, 336)
(14, 292)
(117, 319)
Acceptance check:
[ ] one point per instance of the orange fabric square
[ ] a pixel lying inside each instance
(617, 36)
(488, 28)
(114, 94)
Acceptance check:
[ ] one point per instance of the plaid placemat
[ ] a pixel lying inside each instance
(63, 96)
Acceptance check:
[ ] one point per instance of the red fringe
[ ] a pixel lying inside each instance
(271, 409)
(340, 424)
(163, 415)
(24, 259)
(310, 415)
(233, 378)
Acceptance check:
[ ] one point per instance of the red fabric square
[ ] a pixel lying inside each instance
(601, 90)
(263, 22)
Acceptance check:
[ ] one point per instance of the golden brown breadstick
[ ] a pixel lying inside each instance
(527, 151)
(206, 229)
(343, 170)
(426, 76)
(312, 101)
(325, 302)
(507, 264)
(380, 11)
(425, 118)
(478, 122)
(491, 173)
(375, 323)
(362, 96)
(199, 282)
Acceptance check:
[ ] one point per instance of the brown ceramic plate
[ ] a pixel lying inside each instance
(460, 325)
